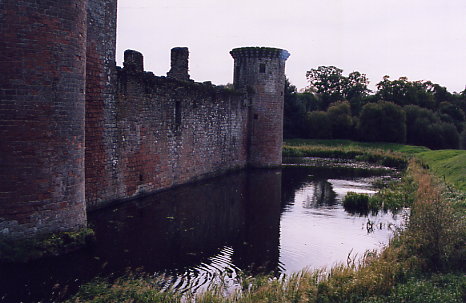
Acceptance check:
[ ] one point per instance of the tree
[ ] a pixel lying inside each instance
(356, 86)
(418, 124)
(294, 117)
(330, 84)
(383, 121)
(318, 125)
(424, 127)
(451, 113)
(341, 120)
(403, 92)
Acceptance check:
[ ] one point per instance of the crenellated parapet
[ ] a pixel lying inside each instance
(259, 52)
(179, 64)
(78, 132)
(260, 71)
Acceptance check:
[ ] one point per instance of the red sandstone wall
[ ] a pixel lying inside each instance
(101, 154)
(260, 72)
(42, 64)
(171, 132)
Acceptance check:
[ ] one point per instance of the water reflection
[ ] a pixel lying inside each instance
(258, 221)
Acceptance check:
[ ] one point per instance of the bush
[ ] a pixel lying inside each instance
(341, 120)
(318, 125)
(437, 232)
(382, 121)
(355, 202)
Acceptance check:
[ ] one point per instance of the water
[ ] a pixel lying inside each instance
(255, 221)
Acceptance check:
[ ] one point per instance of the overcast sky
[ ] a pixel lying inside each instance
(420, 39)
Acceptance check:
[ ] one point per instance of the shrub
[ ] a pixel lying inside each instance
(437, 232)
(318, 125)
(355, 202)
(341, 120)
(382, 121)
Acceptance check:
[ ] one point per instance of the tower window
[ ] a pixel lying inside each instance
(177, 114)
(262, 68)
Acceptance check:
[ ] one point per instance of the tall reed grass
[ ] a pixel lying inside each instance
(425, 261)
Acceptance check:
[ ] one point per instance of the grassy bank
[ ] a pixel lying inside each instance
(449, 165)
(392, 155)
(423, 263)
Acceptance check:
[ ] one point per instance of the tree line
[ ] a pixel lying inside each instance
(335, 106)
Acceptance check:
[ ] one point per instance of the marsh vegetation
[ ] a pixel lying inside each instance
(423, 263)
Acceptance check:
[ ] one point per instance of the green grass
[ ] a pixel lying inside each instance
(344, 149)
(444, 288)
(423, 263)
(348, 144)
(447, 164)
(25, 250)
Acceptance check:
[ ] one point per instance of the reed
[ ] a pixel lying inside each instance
(422, 263)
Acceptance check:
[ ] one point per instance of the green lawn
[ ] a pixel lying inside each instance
(449, 165)
(406, 149)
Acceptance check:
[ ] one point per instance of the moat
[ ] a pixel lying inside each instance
(254, 221)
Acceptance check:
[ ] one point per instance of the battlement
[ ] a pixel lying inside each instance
(179, 64)
(259, 52)
(80, 132)
(134, 61)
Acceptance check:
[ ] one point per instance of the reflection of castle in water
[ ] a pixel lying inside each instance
(193, 225)
(322, 194)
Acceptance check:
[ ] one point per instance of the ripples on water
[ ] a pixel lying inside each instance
(212, 233)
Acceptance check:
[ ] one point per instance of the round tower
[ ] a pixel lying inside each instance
(42, 83)
(260, 71)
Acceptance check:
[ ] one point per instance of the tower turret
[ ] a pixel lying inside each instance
(42, 84)
(260, 71)
(179, 64)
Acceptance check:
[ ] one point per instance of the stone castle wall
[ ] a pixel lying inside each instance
(101, 127)
(170, 132)
(77, 132)
(261, 72)
(42, 84)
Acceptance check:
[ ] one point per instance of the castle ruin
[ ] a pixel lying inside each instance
(78, 132)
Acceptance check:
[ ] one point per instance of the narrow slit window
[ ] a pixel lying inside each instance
(262, 68)
(178, 114)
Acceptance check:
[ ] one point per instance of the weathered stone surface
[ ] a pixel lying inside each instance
(42, 83)
(76, 130)
(260, 72)
(101, 131)
(179, 64)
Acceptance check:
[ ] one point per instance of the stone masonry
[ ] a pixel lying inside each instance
(42, 89)
(78, 132)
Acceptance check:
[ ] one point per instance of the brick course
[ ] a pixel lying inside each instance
(76, 130)
(42, 64)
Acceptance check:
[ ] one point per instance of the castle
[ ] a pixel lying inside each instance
(78, 132)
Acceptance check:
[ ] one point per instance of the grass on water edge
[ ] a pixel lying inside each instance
(447, 164)
(423, 263)
(348, 144)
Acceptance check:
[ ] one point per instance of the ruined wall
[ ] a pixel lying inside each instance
(42, 82)
(101, 131)
(75, 130)
(171, 132)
